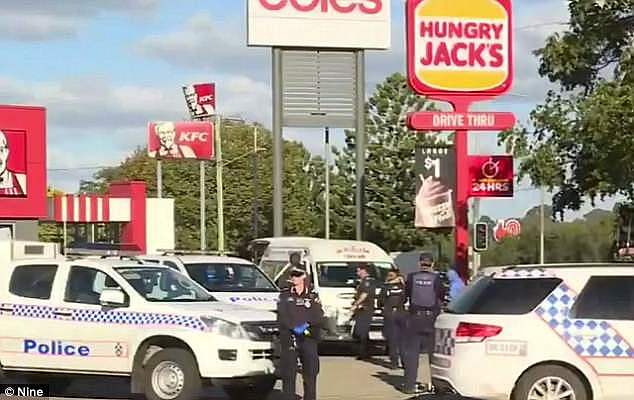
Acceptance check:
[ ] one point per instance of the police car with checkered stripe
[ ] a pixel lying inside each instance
(68, 316)
(542, 332)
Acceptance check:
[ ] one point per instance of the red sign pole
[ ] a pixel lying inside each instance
(461, 143)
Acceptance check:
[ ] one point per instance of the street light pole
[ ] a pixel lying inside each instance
(255, 182)
(219, 188)
(541, 228)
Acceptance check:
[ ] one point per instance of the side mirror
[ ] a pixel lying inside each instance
(112, 297)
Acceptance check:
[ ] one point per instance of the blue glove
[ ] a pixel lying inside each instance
(299, 330)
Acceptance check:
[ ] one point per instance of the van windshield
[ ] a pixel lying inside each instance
(344, 274)
(230, 277)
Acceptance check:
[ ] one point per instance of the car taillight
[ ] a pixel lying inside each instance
(469, 332)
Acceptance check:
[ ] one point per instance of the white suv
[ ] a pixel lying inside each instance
(551, 332)
(154, 324)
(228, 279)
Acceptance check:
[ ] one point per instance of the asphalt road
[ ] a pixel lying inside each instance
(341, 378)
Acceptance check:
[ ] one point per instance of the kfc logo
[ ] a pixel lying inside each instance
(324, 6)
(181, 140)
(201, 99)
(12, 183)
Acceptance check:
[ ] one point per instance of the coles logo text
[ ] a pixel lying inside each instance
(325, 6)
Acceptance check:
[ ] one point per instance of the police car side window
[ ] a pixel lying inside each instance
(33, 281)
(85, 285)
(606, 297)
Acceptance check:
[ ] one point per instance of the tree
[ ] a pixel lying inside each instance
(582, 141)
(48, 231)
(180, 181)
(390, 175)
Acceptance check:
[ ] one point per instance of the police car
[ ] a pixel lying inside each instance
(124, 318)
(548, 332)
(228, 279)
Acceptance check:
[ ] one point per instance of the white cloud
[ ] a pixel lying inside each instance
(27, 20)
(207, 45)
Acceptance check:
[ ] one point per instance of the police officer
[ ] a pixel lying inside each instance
(424, 292)
(300, 316)
(392, 302)
(363, 309)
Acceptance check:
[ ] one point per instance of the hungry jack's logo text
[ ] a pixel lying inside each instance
(460, 46)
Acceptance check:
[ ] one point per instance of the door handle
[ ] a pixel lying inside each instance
(63, 313)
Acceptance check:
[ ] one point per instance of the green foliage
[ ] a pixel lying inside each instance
(181, 182)
(582, 139)
(590, 239)
(390, 177)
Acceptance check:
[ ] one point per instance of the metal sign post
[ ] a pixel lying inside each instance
(360, 143)
(278, 219)
(327, 179)
(203, 233)
(159, 178)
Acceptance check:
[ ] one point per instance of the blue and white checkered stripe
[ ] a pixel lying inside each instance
(105, 317)
(524, 273)
(599, 338)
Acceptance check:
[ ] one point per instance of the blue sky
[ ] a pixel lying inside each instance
(104, 68)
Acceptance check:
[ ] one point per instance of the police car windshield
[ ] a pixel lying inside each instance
(344, 274)
(230, 277)
(163, 285)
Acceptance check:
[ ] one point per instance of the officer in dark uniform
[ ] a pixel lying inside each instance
(392, 302)
(363, 309)
(300, 316)
(425, 294)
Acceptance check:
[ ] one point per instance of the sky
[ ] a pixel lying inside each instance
(105, 68)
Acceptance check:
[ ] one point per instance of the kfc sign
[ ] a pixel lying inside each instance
(459, 47)
(491, 176)
(178, 140)
(319, 23)
(201, 100)
(22, 162)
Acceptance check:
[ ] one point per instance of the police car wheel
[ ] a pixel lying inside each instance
(257, 391)
(551, 382)
(172, 374)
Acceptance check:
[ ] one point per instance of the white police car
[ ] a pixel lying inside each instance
(551, 332)
(229, 279)
(149, 322)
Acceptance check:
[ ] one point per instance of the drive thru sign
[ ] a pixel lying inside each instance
(460, 51)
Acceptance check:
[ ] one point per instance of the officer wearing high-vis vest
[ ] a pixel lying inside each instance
(392, 302)
(424, 293)
(300, 316)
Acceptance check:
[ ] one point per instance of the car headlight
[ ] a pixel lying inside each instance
(224, 328)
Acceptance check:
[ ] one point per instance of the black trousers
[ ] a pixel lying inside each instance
(419, 336)
(393, 330)
(362, 332)
(306, 350)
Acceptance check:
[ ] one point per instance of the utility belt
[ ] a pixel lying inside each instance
(423, 311)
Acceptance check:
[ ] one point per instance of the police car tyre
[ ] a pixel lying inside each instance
(256, 391)
(551, 382)
(172, 374)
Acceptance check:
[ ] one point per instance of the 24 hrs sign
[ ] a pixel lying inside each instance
(491, 176)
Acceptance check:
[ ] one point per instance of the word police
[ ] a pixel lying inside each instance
(55, 348)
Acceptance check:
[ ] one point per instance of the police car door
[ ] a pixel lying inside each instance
(97, 333)
(30, 330)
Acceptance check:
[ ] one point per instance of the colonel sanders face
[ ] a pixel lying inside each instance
(166, 133)
(4, 153)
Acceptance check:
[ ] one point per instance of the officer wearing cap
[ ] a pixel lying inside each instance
(294, 261)
(363, 309)
(392, 302)
(300, 315)
(424, 293)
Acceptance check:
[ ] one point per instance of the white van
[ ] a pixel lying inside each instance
(331, 265)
